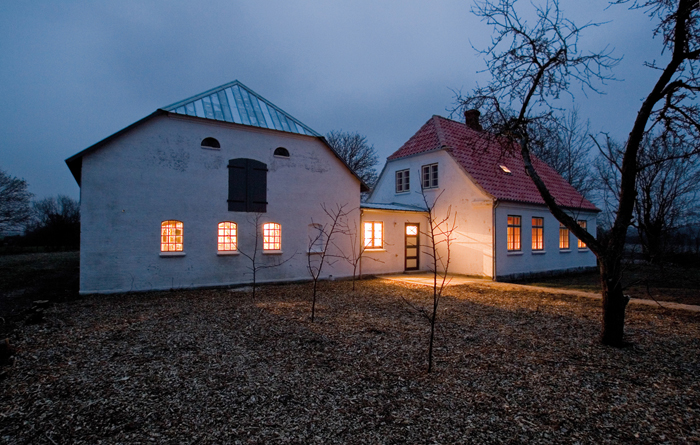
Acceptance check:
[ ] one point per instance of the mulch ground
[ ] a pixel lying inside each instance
(215, 366)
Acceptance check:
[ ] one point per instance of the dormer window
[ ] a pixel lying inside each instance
(505, 169)
(281, 152)
(211, 144)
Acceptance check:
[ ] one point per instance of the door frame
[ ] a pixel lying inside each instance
(405, 247)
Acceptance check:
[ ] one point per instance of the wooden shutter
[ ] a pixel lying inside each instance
(247, 186)
(257, 186)
(237, 185)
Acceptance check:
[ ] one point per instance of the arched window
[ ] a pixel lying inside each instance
(210, 143)
(171, 236)
(227, 240)
(281, 152)
(272, 236)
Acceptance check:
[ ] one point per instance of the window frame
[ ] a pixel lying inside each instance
(171, 239)
(403, 180)
(373, 236)
(432, 177)
(221, 238)
(583, 223)
(537, 239)
(514, 238)
(276, 235)
(281, 152)
(564, 235)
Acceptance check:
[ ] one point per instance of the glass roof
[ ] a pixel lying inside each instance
(235, 102)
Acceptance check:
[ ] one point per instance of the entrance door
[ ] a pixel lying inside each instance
(412, 233)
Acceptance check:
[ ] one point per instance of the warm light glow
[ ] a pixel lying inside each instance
(171, 236)
(272, 236)
(581, 244)
(537, 233)
(563, 237)
(374, 234)
(411, 230)
(228, 236)
(505, 169)
(513, 232)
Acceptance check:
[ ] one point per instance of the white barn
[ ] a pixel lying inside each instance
(171, 201)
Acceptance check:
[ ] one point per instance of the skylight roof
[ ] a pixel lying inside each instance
(234, 102)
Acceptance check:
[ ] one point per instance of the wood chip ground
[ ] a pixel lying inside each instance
(214, 366)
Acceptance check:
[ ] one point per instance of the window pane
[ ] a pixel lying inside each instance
(581, 244)
(171, 236)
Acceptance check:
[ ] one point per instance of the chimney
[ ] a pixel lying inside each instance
(471, 118)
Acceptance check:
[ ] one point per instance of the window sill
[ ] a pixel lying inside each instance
(375, 250)
(565, 251)
(515, 252)
(405, 192)
(280, 157)
(272, 252)
(431, 189)
(171, 254)
(227, 252)
(539, 252)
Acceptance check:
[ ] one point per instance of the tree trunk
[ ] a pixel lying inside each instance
(313, 302)
(614, 302)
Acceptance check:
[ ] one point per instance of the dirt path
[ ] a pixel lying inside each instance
(426, 279)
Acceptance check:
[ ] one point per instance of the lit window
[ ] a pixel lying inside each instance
(272, 236)
(411, 230)
(374, 235)
(227, 236)
(316, 238)
(281, 152)
(563, 237)
(513, 232)
(171, 236)
(505, 169)
(402, 181)
(537, 233)
(430, 176)
(583, 224)
(210, 143)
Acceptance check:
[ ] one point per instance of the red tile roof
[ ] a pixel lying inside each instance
(481, 156)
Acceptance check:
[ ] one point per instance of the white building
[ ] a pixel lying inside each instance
(504, 230)
(171, 201)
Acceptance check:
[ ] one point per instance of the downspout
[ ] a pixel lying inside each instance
(495, 231)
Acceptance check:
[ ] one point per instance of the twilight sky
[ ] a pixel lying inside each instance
(74, 72)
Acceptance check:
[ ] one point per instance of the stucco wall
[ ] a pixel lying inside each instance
(158, 171)
(472, 251)
(527, 261)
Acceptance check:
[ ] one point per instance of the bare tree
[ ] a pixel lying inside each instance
(567, 149)
(667, 188)
(319, 242)
(55, 221)
(438, 250)
(357, 153)
(255, 263)
(355, 254)
(531, 66)
(15, 210)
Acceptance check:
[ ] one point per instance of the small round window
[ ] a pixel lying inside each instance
(282, 152)
(210, 143)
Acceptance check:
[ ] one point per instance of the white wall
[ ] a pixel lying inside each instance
(472, 251)
(526, 261)
(158, 172)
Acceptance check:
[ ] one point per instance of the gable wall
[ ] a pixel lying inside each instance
(551, 259)
(472, 250)
(158, 171)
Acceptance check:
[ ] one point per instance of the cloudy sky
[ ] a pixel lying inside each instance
(72, 72)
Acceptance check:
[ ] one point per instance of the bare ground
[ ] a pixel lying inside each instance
(216, 367)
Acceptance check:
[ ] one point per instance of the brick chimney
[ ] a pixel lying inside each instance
(471, 118)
